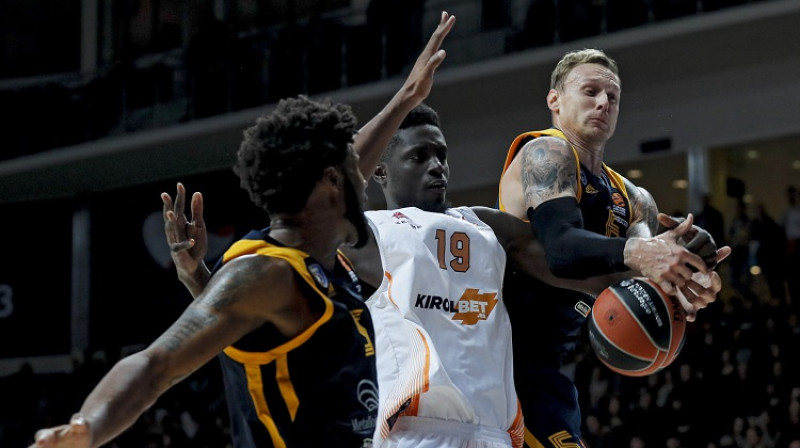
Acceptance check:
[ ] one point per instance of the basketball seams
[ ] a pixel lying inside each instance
(638, 306)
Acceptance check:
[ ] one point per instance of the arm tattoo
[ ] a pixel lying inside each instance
(226, 290)
(644, 208)
(190, 323)
(546, 172)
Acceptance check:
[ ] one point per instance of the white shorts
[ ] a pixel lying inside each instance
(422, 432)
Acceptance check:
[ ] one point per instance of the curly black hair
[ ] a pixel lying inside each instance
(284, 153)
(422, 115)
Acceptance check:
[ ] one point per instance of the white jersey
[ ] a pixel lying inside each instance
(443, 336)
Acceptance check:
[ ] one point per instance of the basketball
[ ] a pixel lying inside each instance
(635, 328)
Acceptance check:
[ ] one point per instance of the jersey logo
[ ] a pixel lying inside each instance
(472, 306)
(400, 218)
(590, 189)
(617, 199)
(318, 273)
(367, 394)
(582, 308)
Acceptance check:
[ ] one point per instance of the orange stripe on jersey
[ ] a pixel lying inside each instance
(389, 289)
(418, 384)
(422, 383)
(517, 429)
(256, 387)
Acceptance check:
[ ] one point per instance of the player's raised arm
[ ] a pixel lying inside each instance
(373, 137)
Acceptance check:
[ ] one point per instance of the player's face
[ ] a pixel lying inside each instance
(355, 190)
(588, 104)
(417, 170)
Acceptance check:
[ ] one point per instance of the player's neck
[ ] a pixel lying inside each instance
(315, 237)
(590, 153)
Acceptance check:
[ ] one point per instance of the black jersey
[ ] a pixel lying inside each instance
(316, 389)
(547, 321)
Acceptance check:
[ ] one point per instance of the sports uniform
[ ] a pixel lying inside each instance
(443, 334)
(547, 321)
(316, 389)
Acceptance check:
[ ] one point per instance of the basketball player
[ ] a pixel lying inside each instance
(442, 330)
(282, 298)
(591, 221)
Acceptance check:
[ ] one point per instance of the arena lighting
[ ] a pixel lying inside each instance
(634, 174)
(680, 184)
(752, 154)
(755, 270)
(796, 164)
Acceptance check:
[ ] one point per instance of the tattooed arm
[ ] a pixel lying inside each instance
(548, 170)
(644, 211)
(548, 176)
(233, 304)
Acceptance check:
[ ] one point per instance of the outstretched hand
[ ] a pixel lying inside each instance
(76, 434)
(187, 239)
(420, 81)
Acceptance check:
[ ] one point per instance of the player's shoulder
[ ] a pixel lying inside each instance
(258, 270)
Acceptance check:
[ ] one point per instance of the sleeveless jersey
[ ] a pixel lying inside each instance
(443, 333)
(549, 328)
(316, 389)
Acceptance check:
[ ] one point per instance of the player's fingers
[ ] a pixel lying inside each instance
(689, 310)
(700, 296)
(667, 286)
(683, 228)
(723, 253)
(667, 221)
(181, 245)
(197, 210)
(446, 23)
(166, 200)
(691, 261)
(170, 226)
(180, 199)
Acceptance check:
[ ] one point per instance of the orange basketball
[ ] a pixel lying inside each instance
(635, 328)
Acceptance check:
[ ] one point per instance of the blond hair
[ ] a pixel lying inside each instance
(576, 58)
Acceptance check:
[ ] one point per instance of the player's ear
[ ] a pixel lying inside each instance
(552, 100)
(380, 174)
(332, 176)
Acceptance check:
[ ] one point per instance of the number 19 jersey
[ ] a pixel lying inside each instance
(443, 336)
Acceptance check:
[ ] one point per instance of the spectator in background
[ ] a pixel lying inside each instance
(739, 241)
(791, 227)
(768, 238)
(711, 219)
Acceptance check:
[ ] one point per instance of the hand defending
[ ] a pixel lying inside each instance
(188, 242)
(420, 79)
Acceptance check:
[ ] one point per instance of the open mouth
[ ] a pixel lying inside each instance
(438, 185)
